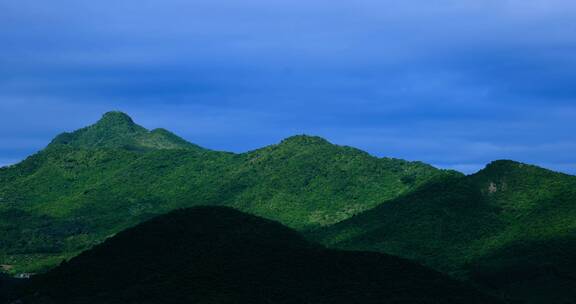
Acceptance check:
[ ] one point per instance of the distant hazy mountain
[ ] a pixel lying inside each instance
(92, 183)
(220, 255)
(510, 228)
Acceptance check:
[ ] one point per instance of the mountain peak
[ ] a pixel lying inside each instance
(516, 177)
(304, 140)
(506, 167)
(116, 123)
(503, 163)
(115, 118)
(117, 130)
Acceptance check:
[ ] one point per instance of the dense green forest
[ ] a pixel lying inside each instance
(92, 183)
(509, 228)
(220, 255)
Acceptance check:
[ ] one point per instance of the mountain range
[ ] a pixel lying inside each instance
(94, 182)
(508, 229)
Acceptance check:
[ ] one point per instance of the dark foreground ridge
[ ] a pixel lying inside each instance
(220, 255)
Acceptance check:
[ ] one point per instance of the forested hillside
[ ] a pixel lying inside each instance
(509, 228)
(92, 183)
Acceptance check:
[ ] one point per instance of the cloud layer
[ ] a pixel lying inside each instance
(452, 83)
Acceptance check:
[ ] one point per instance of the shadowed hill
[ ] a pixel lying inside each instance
(99, 180)
(219, 255)
(510, 222)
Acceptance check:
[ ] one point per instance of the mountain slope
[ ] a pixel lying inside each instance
(479, 227)
(219, 255)
(94, 182)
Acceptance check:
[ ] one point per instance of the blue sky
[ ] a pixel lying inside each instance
(453, 83)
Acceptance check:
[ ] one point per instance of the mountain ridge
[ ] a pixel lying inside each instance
(114, 119)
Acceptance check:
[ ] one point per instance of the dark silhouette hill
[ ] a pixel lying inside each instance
(220, 255)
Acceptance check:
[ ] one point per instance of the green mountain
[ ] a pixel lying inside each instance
(220, 255)
(117, 130)
(92, 183)
(510, 228)
(307, 182)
